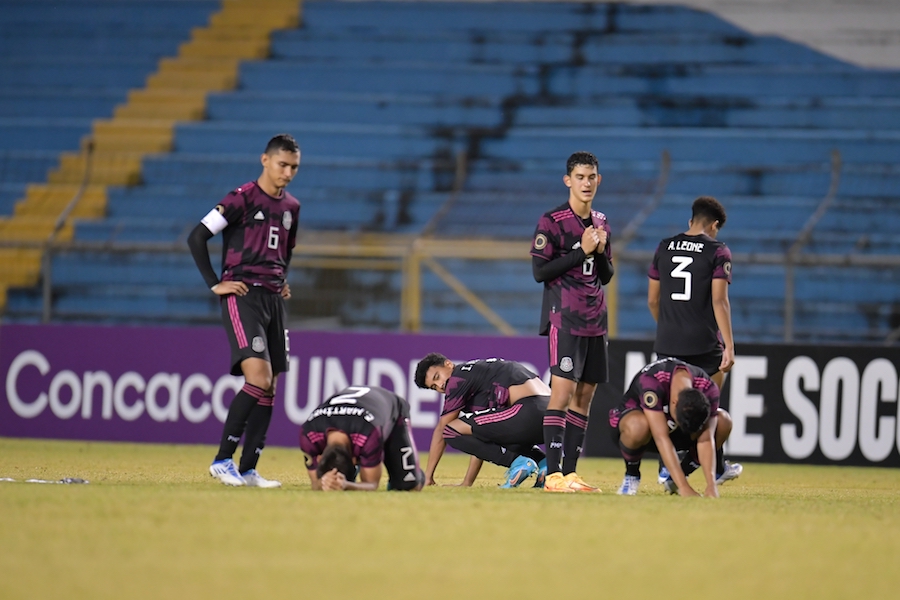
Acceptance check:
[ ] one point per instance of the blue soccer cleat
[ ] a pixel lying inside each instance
(521, 469)
(541, 475)
(629, 486)
(732, 471)
(226, 472)
(663, 475)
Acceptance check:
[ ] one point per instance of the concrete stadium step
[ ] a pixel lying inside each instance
(315, 171)
(726, 146)
(396, 77)
(42, 134)
(491, 16)
(430, 111)
(382, 142)
(714, 80)
(109, 73)
(63, 103)
(700, 111)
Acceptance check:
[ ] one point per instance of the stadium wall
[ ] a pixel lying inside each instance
(790, 403)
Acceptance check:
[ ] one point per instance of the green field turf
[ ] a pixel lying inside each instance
(153, 524)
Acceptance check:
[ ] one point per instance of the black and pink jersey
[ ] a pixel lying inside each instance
(685, 266)
(258, 235)
(574, 302)
(366, 414)
(650, 389)
(482, 384)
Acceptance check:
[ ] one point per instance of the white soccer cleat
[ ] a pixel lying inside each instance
(254, 479)
(226, 472)
(732, 471)
(629, 486)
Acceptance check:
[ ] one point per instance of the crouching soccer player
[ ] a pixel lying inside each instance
(672, 407)
(357, 430)
(493, 410)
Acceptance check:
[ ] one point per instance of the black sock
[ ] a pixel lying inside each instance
(720, 462)
(535, 453)
(576, 425)
(238, 413)
(554, 433)
(257, 426)
(632, 459)
(471, 445)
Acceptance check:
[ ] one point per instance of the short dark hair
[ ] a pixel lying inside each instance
(581, 158)
(708, 209)
(336, 456)
(692, 411)
(282, 141)
(435, 359)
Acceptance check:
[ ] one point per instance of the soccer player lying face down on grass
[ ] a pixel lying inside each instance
(493, 410)
(355, 432)
(672, 407)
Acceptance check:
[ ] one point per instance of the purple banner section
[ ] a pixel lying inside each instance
(143, 384)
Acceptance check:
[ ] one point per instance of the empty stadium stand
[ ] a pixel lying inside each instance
(450, 120)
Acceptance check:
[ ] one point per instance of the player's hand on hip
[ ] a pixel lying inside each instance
(223, 288)
(727, 360)
(286, 291)
(589, 240)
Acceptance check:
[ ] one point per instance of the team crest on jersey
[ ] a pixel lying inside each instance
(540, 242)
(258, 344)
(286, 220)
(727, 268)
(650, 399)
(566, 365)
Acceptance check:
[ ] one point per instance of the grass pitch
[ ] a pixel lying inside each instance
(153, 524)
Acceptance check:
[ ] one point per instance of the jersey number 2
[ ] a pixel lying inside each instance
(358, 392)
(682, 263)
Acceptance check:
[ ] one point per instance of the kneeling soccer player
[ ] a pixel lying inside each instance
(493, 410)
(672, 407)
(358, 429)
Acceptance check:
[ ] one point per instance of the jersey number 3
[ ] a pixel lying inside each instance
(679, 272)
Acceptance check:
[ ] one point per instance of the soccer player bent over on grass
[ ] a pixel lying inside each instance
(671, 407)
(258, 222)
(572, 257)
(359, 428)
(687, 293)
(493, 410)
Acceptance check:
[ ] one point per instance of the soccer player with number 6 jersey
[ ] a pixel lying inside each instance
(572, 256)
(258, 222)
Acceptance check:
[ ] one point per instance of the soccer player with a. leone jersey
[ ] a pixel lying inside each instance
(258, 221)
(572, 257)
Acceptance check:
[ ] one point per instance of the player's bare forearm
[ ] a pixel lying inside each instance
(472, 472)
(435, 451)
(706, 452)
(653, 298)
(722, 311)
(314, 482)
(659, 429)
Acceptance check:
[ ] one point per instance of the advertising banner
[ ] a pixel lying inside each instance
(789, 403)
(145, 384)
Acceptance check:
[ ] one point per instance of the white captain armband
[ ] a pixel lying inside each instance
(214, 221)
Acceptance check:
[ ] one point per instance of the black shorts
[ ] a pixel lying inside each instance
(680, 440)
(578, 358)
(519, 423)
(400, 457)
(708, 361)
(255, 324)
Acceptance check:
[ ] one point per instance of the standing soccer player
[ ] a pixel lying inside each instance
(572, 257)
(687, 295)
(258, 222)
